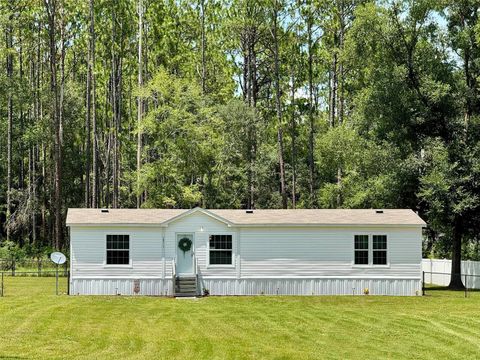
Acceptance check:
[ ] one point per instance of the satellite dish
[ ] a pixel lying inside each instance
(58, 258)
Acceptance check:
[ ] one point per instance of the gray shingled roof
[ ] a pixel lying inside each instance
(241, 217)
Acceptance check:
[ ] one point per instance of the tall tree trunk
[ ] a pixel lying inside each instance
(203, 45)
(114, 136)
(340, 93)
(114, 100)
(21, 149)
(333, 90)
(456, 278)
(139, 100)
(59, 163)
(245, 65)
(250, 90)
(88, 119)
(119, 130)
(95, 196)
(36, 116)
(341, 37)
(294, 145)
(9, 63)
(278, 107)
(51, 9)
(34, 194)
(311, 109)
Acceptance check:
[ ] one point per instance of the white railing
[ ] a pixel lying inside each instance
(174, 275)
(437, 271)
(195, 271)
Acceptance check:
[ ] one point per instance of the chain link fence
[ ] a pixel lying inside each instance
(34, 283)
(433, 283)
(32, 267)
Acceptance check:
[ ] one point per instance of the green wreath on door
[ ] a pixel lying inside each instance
(185, 244)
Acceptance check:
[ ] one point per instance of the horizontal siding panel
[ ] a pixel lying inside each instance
(288, 267)
(324, 252)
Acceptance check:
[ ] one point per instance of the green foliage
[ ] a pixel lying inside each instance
(367, 170)
(379, 106)
(182, 142)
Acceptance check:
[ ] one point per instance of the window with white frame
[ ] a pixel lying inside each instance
(118, 249)
(361, 249)
(220, 250)
(370, 250)
(379, 249)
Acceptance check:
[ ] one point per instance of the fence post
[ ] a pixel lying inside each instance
(423, 283)
(56, 280)
(466, 288)
(68, 282)
(2, 283)
(13, 266)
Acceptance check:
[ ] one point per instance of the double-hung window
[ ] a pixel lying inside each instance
(379, 249)
(220, 250)
(370, 250)
(118, 249)
(361, 249)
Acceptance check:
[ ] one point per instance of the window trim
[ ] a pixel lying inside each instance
(220, 266)
(370, 250)
(130, 248)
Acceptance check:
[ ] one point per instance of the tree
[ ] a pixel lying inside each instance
(278, 101)
(139, 100)
(51, 9)
(95, 197)
(9, 65)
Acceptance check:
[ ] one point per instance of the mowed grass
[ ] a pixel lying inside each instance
(36, 324)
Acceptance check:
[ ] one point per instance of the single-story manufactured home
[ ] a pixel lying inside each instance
(175, 252)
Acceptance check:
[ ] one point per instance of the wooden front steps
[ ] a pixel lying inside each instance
(186, 286)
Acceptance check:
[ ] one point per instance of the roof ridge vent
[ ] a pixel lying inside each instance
(104, 210)
(379, 211)
(249, 211)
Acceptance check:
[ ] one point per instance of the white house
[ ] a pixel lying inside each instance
(245, 252)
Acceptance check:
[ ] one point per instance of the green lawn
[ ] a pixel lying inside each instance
(34, 323)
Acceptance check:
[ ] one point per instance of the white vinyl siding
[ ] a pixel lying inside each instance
(293, 252)
(88, 252)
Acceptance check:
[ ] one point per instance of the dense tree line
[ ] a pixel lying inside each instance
(241, 104)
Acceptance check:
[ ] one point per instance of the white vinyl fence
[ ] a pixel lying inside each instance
(445, 266)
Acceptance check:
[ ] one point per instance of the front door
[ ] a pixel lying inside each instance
(185, 254)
